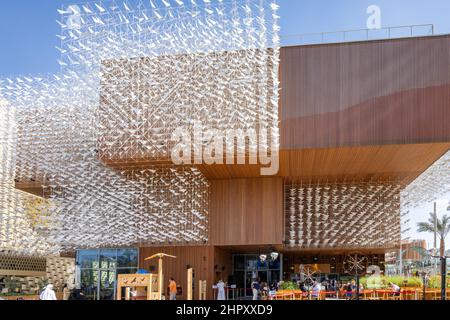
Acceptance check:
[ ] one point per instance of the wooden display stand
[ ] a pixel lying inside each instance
(153, 282)
(149, 281)
(202, 289)
(189, 283)
(160, 281)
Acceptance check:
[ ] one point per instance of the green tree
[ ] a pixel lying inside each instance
(442, 228)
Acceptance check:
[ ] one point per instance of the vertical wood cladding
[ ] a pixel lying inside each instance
(209, 263)
(397, 162)
(365, 93)
(200, 258)
(246, 211)
(222, 264)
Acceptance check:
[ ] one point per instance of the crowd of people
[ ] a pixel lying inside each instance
(330, 288)
(48, 293)
(260, 290)
(333, 287)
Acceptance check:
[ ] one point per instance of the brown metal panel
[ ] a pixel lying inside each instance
(366, 93)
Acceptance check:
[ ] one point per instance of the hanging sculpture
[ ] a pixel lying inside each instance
(131, 72)
(343, 215)
(430, 186)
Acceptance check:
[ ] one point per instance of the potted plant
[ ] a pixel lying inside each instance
(289, 285)
(12, 285)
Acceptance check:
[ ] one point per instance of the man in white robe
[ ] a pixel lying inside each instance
(220, 290)
(48, 293)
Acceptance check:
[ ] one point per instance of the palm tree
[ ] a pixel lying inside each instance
(442, 228)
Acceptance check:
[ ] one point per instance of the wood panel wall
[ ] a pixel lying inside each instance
(209, 263)
(366, 93)
(222, 264)
(246, 211)
(402, 162)
(201, 258)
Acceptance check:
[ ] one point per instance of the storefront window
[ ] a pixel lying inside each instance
(98, 269)
(88, 259)
(127, 258)
(89, 283)
(108, 259)
(252, 262)
(239, 262)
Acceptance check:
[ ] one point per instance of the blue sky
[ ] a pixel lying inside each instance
(28, 28)
(28, 32)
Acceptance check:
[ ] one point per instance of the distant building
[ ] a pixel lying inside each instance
(414, 249)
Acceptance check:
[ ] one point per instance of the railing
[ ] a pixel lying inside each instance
(358, 35)
(405, 294)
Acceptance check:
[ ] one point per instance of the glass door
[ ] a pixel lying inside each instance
(89, 281)
(107, 285)
(249, 276)
(263, 277)
(247, 267)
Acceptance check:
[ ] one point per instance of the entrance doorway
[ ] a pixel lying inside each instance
(248, 267)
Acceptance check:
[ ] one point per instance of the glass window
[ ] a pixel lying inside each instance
(88, 259)
(89, 283)
(127, 258)
(98, 270)
(239, 262)
(249, 276)
(108, 258)
(252, 262)
(274, 264)
(262, 264)
(274, 277)
(107, 284)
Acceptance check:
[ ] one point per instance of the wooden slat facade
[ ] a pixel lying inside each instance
(366, 111)
(209, 263)
(401, 162)
(246, 211)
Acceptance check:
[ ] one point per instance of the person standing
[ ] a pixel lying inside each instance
(48, 293)
(66, 292)
(255, 289)
(348, 291)
(264, 290)
(172, 289)
(220, 290)
(316, 290)
(333, 285)
(77, 294)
